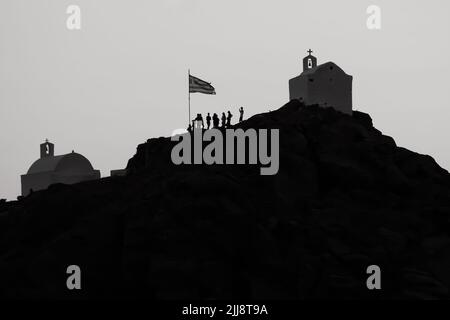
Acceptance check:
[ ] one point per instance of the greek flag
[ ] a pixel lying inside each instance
(198, 85)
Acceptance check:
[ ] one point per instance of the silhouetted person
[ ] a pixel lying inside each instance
(216, 120)
(241, 114)
(198, 123)
(208, 121)
(224, 119)
(200, 118)
(229, 119)
(189, 128)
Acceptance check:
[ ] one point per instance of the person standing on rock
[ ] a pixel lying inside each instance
(215, 119)
(208, 121)
(198, 123)
(241, 114)
(224, 119)
(229, 119)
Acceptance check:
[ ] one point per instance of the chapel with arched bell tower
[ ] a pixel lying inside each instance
(49, 169)
(325, 85)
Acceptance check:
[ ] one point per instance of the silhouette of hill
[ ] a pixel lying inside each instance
(345, 197)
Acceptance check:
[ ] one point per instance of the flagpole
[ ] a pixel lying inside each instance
(189, 99)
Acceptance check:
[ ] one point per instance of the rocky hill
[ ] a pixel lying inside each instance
(345, 197)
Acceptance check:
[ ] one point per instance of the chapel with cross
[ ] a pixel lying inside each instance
(325, 85)
(50, 169)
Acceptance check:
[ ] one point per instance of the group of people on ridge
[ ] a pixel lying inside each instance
(226, 120)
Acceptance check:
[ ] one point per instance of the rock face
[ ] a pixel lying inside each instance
(345, 197)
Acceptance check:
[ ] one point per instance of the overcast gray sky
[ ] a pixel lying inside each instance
(122, 78)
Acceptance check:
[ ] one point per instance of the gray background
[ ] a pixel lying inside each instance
(123, 77)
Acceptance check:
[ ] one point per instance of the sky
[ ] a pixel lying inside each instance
(122, 78)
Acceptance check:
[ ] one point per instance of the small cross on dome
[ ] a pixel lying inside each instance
(310, 51)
